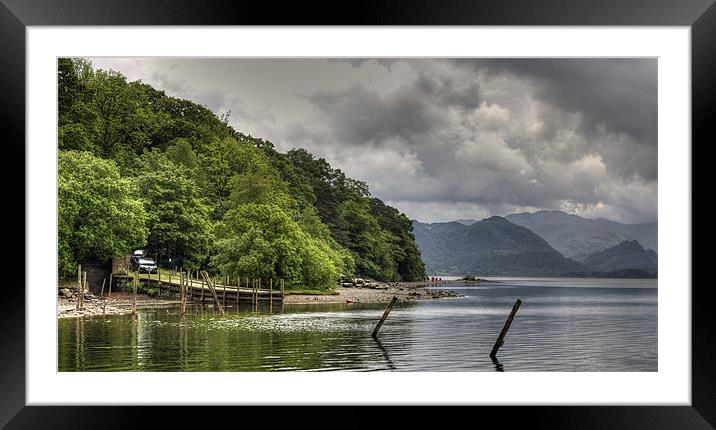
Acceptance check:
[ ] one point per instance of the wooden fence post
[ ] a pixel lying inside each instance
(223, 298)
(501, 338)
(134, 295)
(82, 292)
(270, 295)
(79, 286)
(109, 292)
(213, 291)
(189, 285)
(385, 315)
(182, 294)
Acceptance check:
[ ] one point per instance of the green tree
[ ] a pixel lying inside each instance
(410, 263)
(177, 217)
(263, 241)
(376, 251)
(98, 215)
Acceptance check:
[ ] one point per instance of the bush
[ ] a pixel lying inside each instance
(143, 288)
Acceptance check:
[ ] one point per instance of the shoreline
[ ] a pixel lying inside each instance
(121, 302)
(407, 291)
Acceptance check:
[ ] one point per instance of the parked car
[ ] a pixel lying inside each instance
(146, 265)
(134, 258)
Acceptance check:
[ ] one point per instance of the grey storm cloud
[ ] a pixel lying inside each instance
(443, 139)
(358, 115)
(618, 95)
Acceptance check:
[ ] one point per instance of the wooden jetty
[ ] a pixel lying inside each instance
(199, 291)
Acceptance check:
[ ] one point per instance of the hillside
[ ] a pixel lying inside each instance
(576, 237)
(627, 256)
(493, 246)
(140, 169)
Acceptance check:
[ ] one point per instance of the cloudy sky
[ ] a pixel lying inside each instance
(443, 139)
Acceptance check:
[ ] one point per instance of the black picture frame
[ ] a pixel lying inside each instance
(16, 15)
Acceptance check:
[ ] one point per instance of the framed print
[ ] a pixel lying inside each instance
(424, 217)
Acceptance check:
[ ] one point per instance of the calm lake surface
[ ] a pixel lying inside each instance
(563, 325)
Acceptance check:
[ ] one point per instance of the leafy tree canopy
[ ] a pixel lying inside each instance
(189, 178)
(98, 214)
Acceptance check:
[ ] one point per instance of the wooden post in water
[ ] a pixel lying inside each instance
(189, 284)
(202, 291)
(79, 286)
(101, 294)
(182, 295)
(213, 291)
(385, 315)
(159, 279)
(223, 298)
(238, 291)
(82, 292)
(270, 295)
(501, 338)
(134, 296)
(109, 291)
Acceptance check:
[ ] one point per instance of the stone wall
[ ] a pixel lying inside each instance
(120, 264)
(96, 272)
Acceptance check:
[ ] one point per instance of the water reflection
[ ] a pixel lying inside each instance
(390, 363)
(498, 366)
(557, 329)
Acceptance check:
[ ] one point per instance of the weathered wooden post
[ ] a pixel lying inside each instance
(109, 291)
(202, 291)
(385, 315)
(501, 338)
(238, 291)
(182, 295)
(101, 294)
(282, 295)
(79, 286)
(223, 298)
(270, 295)
(213, 291)
(189, 285)
(134, 295)
(82, 290)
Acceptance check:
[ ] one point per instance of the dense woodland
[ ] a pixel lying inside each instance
(140, 169)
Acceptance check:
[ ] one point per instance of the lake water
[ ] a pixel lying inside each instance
(563, 325)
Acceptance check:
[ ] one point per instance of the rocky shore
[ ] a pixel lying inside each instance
(403, 291)
(119, 304)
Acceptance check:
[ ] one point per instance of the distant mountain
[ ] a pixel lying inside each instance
(646, 234)
(627, 256)
(493, 246)
(576, 237)
(466, 221)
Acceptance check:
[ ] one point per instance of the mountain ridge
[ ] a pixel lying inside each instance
(492, 246)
